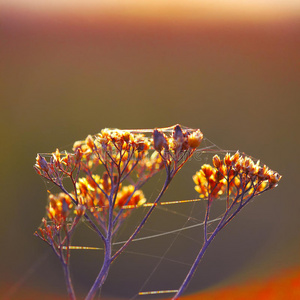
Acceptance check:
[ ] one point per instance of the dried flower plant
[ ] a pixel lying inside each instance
(101, 198)
(107, 172)
(237, 178)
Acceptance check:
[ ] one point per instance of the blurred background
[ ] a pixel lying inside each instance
(230, 68)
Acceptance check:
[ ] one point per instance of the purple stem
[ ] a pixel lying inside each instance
(103, 272)
(137, 230)
(107, 250)
(223, 222)
(194, 266)
(70, 289)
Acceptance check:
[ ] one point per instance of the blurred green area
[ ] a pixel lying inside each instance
(240, 84)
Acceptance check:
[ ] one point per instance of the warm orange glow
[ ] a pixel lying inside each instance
(191, 10)
(284, 285)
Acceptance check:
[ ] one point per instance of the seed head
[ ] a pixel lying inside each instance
(41, 163)
(159, 140)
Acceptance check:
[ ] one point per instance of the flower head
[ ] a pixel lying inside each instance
(235, 173)
(129, 196)
(208, 183)
(59, 207)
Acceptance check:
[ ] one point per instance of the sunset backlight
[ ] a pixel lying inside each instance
(183, 10)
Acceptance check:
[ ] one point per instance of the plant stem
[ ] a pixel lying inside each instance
(137, 230)
(107, 250)
(70, 289)
(223, 222)
(194, 266)
(103, 272)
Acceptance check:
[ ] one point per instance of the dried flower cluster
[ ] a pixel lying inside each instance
(236, 174)
(236, 178)
(106, 173)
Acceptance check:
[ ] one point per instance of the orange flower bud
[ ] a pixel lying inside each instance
(207, 170)
(227, 160)
(90, 142)
(263, 173)
(78, 155)
(77, 144)
(56, 155)
(247, 162)
(238, 165)
(235, 157)
(126, 136)
(217, 161)
(195, 139)
(274, 179)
